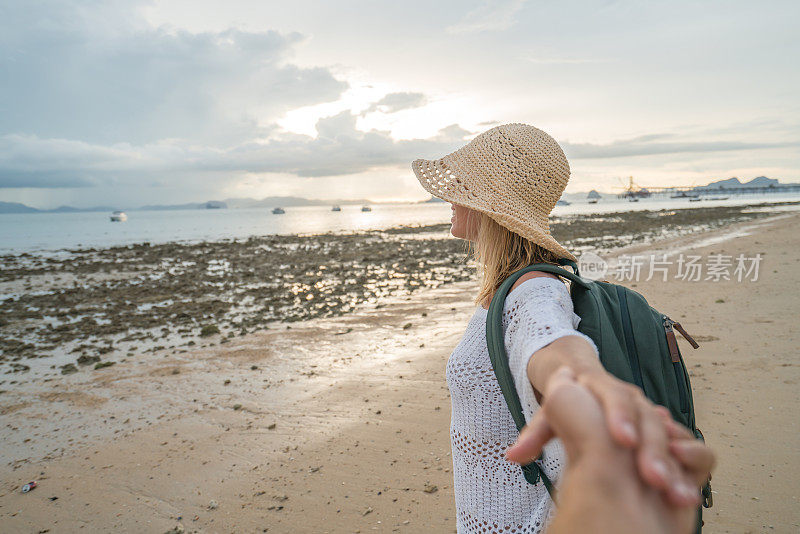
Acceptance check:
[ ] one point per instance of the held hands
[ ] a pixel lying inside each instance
(666, 455)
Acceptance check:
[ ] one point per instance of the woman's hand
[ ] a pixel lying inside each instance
(601, 489)
(632, 420)
(635, 422)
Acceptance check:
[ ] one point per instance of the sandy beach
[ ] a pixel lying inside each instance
(340, 423)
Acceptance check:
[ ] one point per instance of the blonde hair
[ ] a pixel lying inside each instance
(499, 252)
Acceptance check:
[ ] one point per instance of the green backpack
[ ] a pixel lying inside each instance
(636, 343)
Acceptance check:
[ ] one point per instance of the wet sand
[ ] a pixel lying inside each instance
(340, 423)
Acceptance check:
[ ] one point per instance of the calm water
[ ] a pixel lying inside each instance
(54, 231)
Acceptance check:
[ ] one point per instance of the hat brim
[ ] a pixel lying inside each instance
(440, 184)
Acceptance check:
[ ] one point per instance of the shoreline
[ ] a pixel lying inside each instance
(63, 315)
(342, 422)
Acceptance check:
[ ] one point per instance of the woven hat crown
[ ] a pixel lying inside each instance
(515, 173)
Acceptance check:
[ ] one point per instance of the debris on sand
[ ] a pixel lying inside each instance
(85, 359)
(430, 488)
(209, 330)
(135, 293)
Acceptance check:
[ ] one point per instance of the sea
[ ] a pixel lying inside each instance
(43, 232)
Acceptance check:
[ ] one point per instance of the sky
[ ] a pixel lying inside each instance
(132, 102)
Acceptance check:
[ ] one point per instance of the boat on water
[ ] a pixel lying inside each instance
(336, 208)
(593, 201)
(695, 199)
(684, 194)
(719, 198)
(593, 197)
(278, 211)
(118, 216)
(366, 208)
(633, 199)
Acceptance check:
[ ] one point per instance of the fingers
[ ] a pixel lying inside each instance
(695, 457)
(675, 430)
(599, 410)
(635, 422)
(531, 440)
(652, 453)
(656, 465)
(619, 404)
(569, 411)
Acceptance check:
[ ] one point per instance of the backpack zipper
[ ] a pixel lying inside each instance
(685, 334)
(669, 322)
(677, 364)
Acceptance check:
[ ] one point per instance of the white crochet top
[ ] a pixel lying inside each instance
(491, 494)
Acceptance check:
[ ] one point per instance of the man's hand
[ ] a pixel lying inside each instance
(602, 489)
(631, 419)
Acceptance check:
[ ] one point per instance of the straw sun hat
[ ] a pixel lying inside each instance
(514, 173)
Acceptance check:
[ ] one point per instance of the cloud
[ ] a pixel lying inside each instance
(338, 149)
(97, 72)
(93, 96)
(492, 15)
(654, 144)
(394, 102)
(543, 60)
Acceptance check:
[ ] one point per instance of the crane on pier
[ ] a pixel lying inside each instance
(632, 191)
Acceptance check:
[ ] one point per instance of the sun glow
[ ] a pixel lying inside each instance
(420, 122)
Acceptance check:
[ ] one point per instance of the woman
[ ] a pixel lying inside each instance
(502, 187)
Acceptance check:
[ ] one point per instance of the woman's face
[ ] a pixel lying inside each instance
(465, 222)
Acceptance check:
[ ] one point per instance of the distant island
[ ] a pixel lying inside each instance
(732, 183)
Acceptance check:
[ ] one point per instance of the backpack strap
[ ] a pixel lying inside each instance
(545, 268)
(497, 354)
(566, 262)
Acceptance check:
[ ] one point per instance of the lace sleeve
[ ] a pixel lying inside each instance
(535, 314)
